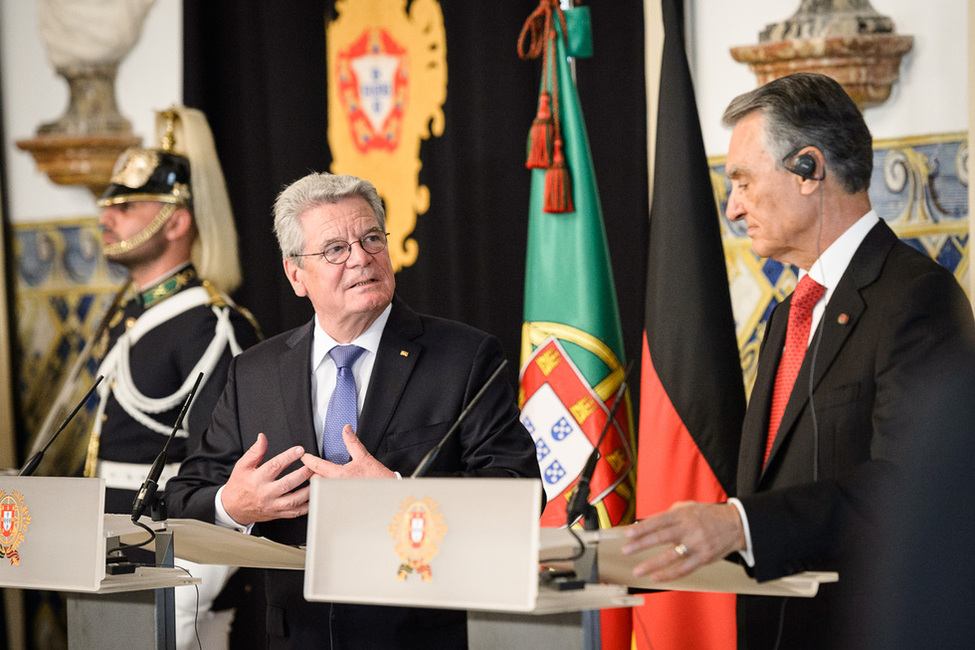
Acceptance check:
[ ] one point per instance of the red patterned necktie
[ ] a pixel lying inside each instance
(804, 298)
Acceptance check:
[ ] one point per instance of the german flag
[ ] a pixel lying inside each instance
(692, 399)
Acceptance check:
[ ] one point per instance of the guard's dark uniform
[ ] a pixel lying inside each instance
(157, 345)
(164, 360)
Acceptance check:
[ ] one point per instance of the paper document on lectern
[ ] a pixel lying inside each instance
(722, 576)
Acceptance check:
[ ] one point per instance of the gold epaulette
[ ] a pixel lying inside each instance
(253, 321)
(216, 298)
(219, 300)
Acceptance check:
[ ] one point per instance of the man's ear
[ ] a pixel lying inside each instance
(294, 273)
(179, 225)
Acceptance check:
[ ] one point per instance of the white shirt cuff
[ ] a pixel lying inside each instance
(225, 520)
(747, 554)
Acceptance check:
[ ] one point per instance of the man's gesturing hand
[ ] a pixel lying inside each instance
(255, 493)
(362, 465)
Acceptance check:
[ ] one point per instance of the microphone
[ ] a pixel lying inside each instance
(31, 465)
(579, 505)
(148, 490)
(427, 461)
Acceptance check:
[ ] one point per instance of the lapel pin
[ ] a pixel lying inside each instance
(843, 319)
(404, 353)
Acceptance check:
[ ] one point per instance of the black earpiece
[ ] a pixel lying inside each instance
(804, 165)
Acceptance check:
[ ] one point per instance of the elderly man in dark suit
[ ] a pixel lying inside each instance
(837, 368)
(275, 425)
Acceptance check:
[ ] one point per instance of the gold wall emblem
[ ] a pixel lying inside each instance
(387, 83)
(417, 531)
(14, 519)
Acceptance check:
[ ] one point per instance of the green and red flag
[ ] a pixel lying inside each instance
(692, 399)
(572, 359)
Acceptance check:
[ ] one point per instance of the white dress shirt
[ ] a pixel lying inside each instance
(323, 383)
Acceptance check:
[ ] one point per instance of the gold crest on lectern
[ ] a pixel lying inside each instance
(387, 83)
(417, 530)
(14, 519)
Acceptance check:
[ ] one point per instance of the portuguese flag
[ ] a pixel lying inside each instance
(572, 361)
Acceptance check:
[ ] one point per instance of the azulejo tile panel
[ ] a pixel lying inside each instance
(919, 186)
(63, 288)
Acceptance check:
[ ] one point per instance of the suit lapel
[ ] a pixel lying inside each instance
(395, 359)
(845, 308)
(294, 380)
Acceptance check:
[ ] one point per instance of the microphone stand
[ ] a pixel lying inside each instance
(579, 505)
(116, 562)
(31, 465)
(586, 567)
(431, 455)
(147, 494)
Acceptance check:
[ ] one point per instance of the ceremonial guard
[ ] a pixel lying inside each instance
(167, 219)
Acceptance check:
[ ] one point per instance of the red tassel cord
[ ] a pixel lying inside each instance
(558, 183)
(545, 144)
(541, 135)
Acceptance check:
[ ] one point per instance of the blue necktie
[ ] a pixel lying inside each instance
(342, 406)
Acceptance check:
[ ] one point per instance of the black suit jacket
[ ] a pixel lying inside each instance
(427, 370)
(812, 507)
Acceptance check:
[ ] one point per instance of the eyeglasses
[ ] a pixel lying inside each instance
(337, 252)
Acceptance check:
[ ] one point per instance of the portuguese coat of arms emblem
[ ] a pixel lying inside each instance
(417, 531)
(14, 519)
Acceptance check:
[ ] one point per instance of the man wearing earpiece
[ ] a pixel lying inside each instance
(824, 424)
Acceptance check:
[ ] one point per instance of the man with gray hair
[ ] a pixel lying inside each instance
(837, 371)
(365, 389)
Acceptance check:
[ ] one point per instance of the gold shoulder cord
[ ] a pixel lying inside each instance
(217, 299)
(91, 458)
(110, 313)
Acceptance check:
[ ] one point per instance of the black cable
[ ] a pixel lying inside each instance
(819, 337)
(152, 537)
(778, 635)
(576, 556)
(196, 609)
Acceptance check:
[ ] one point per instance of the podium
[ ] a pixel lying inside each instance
(204, 543)
(52, 537)
(475, 544)
(467, 543)
(471, 544)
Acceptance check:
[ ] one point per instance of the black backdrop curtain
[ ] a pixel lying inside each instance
(258, 71)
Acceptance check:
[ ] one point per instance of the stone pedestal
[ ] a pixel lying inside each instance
(845, 39)
(81, 147)
(79, 159)
(866, 66)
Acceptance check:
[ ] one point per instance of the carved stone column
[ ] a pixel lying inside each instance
(845, 39)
